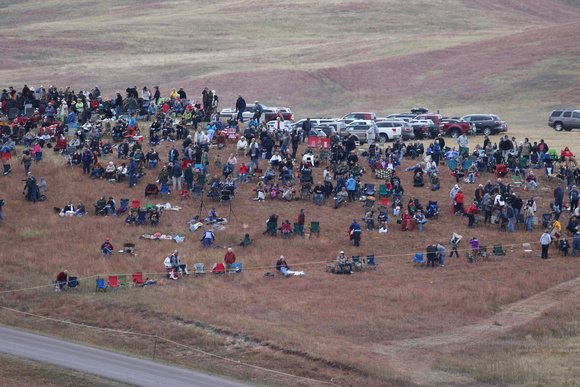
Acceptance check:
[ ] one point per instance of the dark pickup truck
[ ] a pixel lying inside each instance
(271, 114)
(449, 126)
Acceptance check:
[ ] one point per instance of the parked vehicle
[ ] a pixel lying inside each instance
(315, 121)
(392, 130)
(288, 125)
(425, 129)
(486, 123)
(248, 114)
(408, 117)
(448, 126)
(359, 129)
(564, 119)
(350, 117)
(271, 113)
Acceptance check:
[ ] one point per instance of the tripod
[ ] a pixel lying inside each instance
(231, 211)
(201, 205)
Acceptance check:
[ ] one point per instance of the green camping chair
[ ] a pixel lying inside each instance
(296, 229)
(384, 191)
(315, 228)
(498, 253)
(122, 280)
(246, 241)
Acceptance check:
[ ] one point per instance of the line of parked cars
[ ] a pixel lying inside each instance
(418, 124)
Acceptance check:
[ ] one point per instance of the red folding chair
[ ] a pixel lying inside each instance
(6, 156)
(136, 204)
(218, 268)
(313, 142)
(325, 142)
(113, 281)
(138, 279)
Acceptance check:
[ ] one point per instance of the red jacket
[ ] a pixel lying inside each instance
(459, 197)
(286, 227)
(243, 169)
(230, 257)
(471, 210)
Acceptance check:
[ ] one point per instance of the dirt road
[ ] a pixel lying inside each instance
(103, 363)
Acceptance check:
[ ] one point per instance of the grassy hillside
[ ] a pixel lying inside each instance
(399, 325)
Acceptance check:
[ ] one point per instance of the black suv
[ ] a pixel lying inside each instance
(564, 119)
(486, 123)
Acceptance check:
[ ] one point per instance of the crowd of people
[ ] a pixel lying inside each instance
(195, 129)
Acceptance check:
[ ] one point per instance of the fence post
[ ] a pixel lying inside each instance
(155, 347)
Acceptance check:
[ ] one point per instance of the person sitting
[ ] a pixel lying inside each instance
(420, 219)
(154, 216)
(407, 222)
(564, 247)
(80, 209)
(459, 172)
(435, 182)
(397, 206)
(369, 219)
(62, 279)
(110, 171)
(567, 156)
(341, 197)
(154, 139)
(213, 216)
(531, 180)
(472, 172)
(100, 206)
(382, 220)
(97, 171)
(243, 172)
(282, 266)
(286, 229)
(288, 192)
(270, 174)
(208, 238)
(107, 248)
(68, 210)
(342, 261)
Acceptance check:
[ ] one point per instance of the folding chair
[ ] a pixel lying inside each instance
(237, 268)
(38, 156)
(141, 216)
(198, 269)
(7, 169)
(315, 228)
(271, 229)
(225, 196)
(101, 285)
(73, 283)
(165, 189)
(330, 265)
(384, 190)
(371, 264)
(138, 279)
(357, 263)
(498, 253)
(218, 268)
(527, 249)
(296, 229)
(122, 280)
(369, 190)
(136, 204)
(546, 219)
(197, 190)
(384, 206)
(418, 259)
(113, 282)
(520, 220)
(246, 241)
(129, 248)
(183, 268)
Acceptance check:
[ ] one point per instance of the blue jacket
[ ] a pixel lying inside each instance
(351, 184)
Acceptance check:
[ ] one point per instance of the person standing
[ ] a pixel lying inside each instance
(32, 194)
(1, 205)
(306, 128)
(107, 248)
(471, 214)
(441, 252)
(131, 172)
(301, 221)
(575, 243)
(431, 255)
(559, 197)
(229, 259)
(545, 240)
(176, 172)
(240, 107)
(355, 232)
(511, 215)
(463, 143)
(529, 214)
(208, 238)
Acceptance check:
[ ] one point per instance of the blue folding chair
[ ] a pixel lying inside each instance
(101, 285)
(237, 268)
(418, 259)
(38, 156)
(73, 283)
(371, 264)
(165, 189)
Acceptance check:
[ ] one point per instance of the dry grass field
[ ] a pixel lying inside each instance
(510, 323)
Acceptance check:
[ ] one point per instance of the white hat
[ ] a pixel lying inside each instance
(281, 257)
(342, 252)
(456, 186)
(229, 249)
